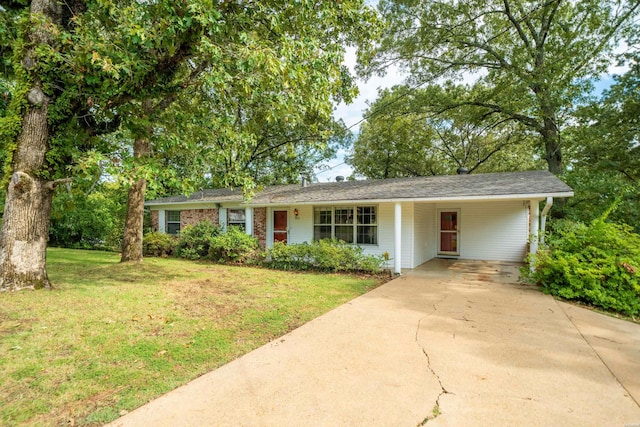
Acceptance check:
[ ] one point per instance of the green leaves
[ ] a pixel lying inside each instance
(530, 60)
(606, 154)
(324, 255)
(598, 264)
(414, 132)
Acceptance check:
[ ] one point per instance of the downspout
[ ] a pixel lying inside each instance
(543, 218)
(534, 232)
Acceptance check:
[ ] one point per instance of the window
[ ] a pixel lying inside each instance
(344, 224)
(322, 219)
(173, 222)
(236, 218)
(338, 222)
(367, 230)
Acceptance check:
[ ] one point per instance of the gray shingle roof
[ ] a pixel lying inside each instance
(451, 187)
(218, 195)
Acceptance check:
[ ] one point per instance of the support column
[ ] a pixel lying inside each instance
(222, 212)
(397, 251)
(162, 222)
(534, 235)
(248, 217)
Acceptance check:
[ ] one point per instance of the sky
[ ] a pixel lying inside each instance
(352, 113)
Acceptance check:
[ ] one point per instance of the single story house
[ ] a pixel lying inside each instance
(493, 216)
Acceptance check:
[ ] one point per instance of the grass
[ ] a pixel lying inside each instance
(113, 336)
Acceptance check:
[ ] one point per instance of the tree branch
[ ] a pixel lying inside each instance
(516, 24)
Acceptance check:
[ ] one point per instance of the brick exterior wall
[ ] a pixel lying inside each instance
(194, 216)
(260, 226)
(155, 221)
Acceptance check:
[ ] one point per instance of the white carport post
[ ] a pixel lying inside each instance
(397, 250)
(534, 226)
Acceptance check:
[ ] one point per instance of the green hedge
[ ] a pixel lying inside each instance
(233, 246)
(323, 255)
(194, 241)
(598, 264)
(158, 244)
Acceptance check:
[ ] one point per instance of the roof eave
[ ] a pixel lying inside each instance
(540, 196)
(532, 196)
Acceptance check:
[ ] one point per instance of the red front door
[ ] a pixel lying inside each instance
(280, 226)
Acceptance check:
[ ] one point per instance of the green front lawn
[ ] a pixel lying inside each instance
(111, 337)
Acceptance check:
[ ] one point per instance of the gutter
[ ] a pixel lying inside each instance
(543, 218)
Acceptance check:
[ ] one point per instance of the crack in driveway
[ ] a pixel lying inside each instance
(443, 390)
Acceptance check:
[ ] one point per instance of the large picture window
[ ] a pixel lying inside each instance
(172, 222)
(237, 218)
(350, 224)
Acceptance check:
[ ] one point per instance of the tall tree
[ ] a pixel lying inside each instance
(402, 137)
(75, 62)
(532, 58)
(281, 67)
(605, 152)
(70, 60)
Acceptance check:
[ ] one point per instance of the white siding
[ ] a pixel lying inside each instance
(424, 233)
(385, 233)
(300, 229)
(492, 230)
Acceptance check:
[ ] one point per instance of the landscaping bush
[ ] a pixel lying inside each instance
(598, 264)
(194, 241)
(158, 244)
(323, 255)
(87, 219)
(233, 246)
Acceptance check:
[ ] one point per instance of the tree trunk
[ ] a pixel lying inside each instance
(133, 227)
(25, 224)
(134, 223)
(552, 146)
(25, 230)
(553, 153)
(549, 129)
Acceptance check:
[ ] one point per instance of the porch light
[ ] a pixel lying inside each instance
(295, 212)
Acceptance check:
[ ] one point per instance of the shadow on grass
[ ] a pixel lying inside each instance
(98, 268)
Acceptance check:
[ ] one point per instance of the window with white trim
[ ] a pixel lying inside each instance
(236, 218)
(340, 223)
(172, 222)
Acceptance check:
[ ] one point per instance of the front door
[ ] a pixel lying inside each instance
(280, 226)
(449, 232)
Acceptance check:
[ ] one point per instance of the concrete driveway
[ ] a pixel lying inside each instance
(452, 343)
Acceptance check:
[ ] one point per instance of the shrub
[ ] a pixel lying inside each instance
(87, 219)
(194, 240)
(233, 246)
(158, 244)
(597, 264)
(323, 255)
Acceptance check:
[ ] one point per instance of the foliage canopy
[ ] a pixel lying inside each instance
(532, 59)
